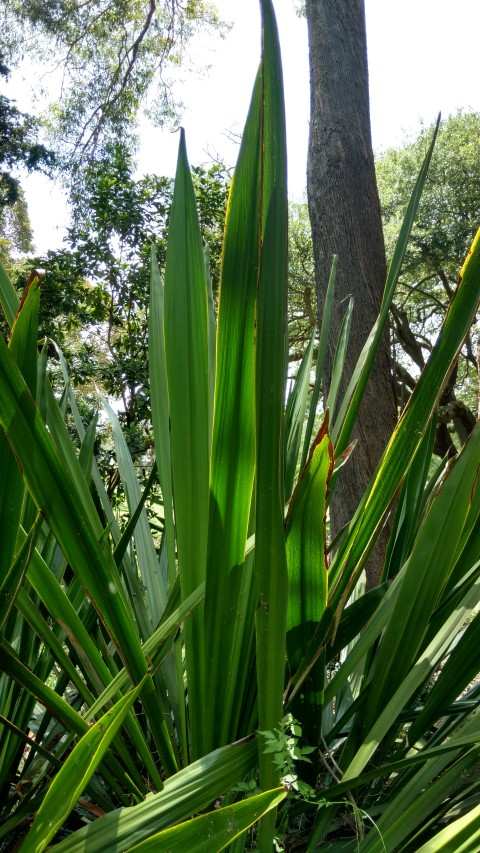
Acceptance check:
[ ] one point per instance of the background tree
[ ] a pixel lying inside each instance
(112, 58)
(447, 221)
(345, 218)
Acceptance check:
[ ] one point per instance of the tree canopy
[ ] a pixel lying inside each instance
(107, 57)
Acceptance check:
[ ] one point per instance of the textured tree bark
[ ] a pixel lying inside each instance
(345, 217)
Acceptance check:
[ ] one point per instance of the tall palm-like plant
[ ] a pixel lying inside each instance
(144, 676)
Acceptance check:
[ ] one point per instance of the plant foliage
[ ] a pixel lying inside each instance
(155, 672)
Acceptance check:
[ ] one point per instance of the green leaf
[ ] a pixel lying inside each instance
(308, 579)
(323, 339)
(186, 350)
(148, 563)
(215, 830)
(270, 556)
(295, 416)
(228, 609)
(8, 297)
(306, 550)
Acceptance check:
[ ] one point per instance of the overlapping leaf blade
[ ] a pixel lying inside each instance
(214, 830)
(187, 360)
(227, 613)
(270, 555)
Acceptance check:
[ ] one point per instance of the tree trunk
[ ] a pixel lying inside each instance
(345, 217)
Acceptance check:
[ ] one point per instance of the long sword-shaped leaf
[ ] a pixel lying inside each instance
(295, 417)
(8, 296)
(323, 339)
(270, 556)
(161, 408)
(186, 349)
(307, 578)
(227, 616)
(163, 452)
(212, 831)
(148, 563)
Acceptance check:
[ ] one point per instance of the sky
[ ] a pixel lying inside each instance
(423, 58)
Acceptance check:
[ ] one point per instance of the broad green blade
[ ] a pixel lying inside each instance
(323, 339)
(212, 831)
(75, 774)
(271, 322)
(188, 792)
(306, 538)
(212, 343)
(295, 416)
(227, 614)
(186, 349)
(306, 549)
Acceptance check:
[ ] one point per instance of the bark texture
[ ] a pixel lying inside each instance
(345, 217)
